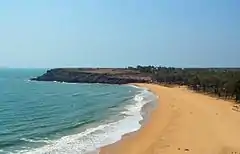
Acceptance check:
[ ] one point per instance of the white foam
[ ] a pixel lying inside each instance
(131, 85)
(141, 99)
(68, 83)
(93, 138)
(35, 141)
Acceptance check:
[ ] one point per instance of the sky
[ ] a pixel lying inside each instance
(119, 33)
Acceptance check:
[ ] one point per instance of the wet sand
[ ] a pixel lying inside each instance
(183, 122)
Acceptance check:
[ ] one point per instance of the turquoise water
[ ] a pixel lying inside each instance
(50, 117)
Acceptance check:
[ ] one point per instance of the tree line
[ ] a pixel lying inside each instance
(221, 82)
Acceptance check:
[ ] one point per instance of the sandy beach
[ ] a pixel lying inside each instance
(183, 122)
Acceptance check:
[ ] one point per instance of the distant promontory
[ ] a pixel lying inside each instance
(94, 75)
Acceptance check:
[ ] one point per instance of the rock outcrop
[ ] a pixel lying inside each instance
(94, 75)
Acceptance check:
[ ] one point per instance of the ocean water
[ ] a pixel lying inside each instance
(51, 117)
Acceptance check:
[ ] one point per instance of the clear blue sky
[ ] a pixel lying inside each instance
(118, 33)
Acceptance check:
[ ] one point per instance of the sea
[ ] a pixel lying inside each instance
(56, 118)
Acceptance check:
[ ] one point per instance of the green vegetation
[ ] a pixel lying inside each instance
(221, 82)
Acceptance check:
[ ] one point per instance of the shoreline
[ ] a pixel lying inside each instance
(148, 107)
(149, 100)
(146, 113)
(182, 123)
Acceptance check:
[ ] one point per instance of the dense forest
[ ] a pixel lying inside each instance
(221, 82)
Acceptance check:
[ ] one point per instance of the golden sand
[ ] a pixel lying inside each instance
(184, 122)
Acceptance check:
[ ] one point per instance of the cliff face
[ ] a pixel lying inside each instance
(101, 75)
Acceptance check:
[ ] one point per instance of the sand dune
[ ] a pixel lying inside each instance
(184, 122)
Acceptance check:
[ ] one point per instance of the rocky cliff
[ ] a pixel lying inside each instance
(94, 75)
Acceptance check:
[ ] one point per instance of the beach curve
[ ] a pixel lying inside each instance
(183, 122)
